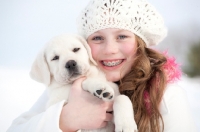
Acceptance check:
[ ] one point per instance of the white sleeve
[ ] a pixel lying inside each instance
(175, 111)
(37, 119)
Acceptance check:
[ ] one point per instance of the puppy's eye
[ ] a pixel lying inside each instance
(55, 58)
(76, 49)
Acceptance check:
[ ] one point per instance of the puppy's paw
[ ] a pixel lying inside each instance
(126, 125)
(123, 115)
(99, 88)
(129, 128)
(104, 92)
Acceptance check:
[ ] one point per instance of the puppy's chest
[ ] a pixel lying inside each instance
(57, 94)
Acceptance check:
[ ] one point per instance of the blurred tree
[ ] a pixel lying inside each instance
(193, 68)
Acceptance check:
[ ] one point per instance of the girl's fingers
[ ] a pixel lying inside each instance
(76, 86)
(109, 117)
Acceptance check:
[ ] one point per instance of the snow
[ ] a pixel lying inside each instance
(19, 92)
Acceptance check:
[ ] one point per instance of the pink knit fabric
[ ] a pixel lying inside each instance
(147, 102)
(172, 69)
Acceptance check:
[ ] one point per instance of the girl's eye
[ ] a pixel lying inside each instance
(97, 38)
(55, 58)
(122, 37)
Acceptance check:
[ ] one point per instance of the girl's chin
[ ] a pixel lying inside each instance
(112, 73)
(113, 77)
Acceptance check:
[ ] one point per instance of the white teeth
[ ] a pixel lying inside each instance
(112, 63)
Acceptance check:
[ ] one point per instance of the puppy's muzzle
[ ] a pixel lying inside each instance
(72, 68)
(71, 65)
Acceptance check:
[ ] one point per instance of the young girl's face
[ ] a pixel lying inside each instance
(114, 51)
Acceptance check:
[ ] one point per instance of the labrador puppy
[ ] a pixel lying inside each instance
(68, 57)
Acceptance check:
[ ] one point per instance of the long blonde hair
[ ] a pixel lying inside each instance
(144, 85)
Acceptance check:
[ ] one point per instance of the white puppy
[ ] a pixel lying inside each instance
(68, 57)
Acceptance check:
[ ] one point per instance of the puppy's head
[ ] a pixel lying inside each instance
(64, 59)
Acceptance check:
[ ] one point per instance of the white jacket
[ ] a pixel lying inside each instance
(174, 109)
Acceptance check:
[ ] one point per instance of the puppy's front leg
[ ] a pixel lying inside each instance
(123, 115)
(99, 88)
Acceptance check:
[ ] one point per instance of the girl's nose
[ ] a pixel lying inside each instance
(111, 47)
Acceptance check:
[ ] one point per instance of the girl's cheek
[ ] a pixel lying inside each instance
(129, 50)
(94, 50)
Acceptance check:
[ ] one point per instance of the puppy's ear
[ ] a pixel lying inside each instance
(84, 42)
(40, 70)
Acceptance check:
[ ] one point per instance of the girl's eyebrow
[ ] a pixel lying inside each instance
(113, 31)
(119, 31)
(96, 33)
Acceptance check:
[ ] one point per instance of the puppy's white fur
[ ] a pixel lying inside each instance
(68, 57)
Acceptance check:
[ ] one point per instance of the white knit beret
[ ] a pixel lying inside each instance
(137, 16)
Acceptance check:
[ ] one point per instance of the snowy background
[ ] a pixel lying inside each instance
(25, 26)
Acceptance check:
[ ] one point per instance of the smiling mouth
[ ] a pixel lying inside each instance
(112, 63)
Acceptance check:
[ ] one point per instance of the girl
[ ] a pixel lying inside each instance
(120, 33)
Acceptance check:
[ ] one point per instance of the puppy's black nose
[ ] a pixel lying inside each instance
(71, 64)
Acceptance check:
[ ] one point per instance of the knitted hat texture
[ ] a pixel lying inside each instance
(137, 16)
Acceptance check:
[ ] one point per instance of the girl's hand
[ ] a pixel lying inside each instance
(84, 111)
